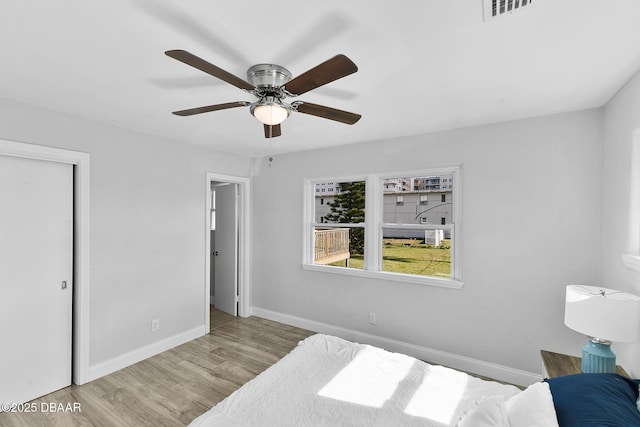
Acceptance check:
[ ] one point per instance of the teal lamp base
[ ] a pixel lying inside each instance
(597, 357)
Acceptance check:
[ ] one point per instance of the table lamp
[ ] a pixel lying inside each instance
(604, 315)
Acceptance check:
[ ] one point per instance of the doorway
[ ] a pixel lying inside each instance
(227, 245)
(224, 247)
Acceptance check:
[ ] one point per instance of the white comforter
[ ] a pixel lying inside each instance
(327, 381)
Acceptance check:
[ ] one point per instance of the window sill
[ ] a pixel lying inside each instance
(632, 261)
(383, 275)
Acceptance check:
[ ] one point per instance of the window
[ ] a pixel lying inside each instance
(400, 238)
(338, 228)
(631, 257)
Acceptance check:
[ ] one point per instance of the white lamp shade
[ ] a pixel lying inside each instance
(271, 114)
(603, 313)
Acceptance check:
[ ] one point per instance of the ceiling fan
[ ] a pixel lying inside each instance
(271, 84)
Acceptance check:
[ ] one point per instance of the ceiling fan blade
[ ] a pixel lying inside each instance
(208, 108)
(327, 113)
(333, 69)
(207, 67)
(272, 131)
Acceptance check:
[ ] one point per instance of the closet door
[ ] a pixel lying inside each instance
(36, 289)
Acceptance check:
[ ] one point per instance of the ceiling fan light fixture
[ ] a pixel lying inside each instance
(270, 112)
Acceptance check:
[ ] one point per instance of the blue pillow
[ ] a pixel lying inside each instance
(601, 400)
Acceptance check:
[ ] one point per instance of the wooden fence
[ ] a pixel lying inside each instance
(331, 245)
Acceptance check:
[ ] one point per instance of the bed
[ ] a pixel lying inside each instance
(328, 381)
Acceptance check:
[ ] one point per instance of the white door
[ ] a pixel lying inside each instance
(36, 260)
(226, 249)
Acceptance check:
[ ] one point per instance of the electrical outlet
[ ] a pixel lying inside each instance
(372, 318)
(155, 325)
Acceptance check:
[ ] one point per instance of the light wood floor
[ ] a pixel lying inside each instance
(172, 388)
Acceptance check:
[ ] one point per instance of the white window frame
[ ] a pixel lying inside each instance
(631, 258)
(373, 228)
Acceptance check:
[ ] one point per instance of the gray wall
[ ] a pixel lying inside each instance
(620, 207)
(536, 180)
(539, 180)
(147, 224)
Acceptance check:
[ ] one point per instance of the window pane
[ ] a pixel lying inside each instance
(342, 247)
(419, 252)
(344, 203)
(417, 199)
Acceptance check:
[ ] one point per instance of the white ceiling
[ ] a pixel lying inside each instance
(424, 65)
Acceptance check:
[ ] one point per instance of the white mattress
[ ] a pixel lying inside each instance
(327, 381)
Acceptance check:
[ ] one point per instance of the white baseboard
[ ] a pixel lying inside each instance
(463, 363)
(120, 362)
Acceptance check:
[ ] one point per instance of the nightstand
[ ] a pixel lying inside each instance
(558, 365)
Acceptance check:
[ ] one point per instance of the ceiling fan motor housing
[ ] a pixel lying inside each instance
(268, 75)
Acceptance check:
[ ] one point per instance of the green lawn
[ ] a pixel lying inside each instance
(411, 256)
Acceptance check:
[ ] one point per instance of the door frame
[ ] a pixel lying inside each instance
(244, 243)
(81, 216)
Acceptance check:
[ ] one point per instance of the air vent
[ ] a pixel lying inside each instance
(496, 8)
